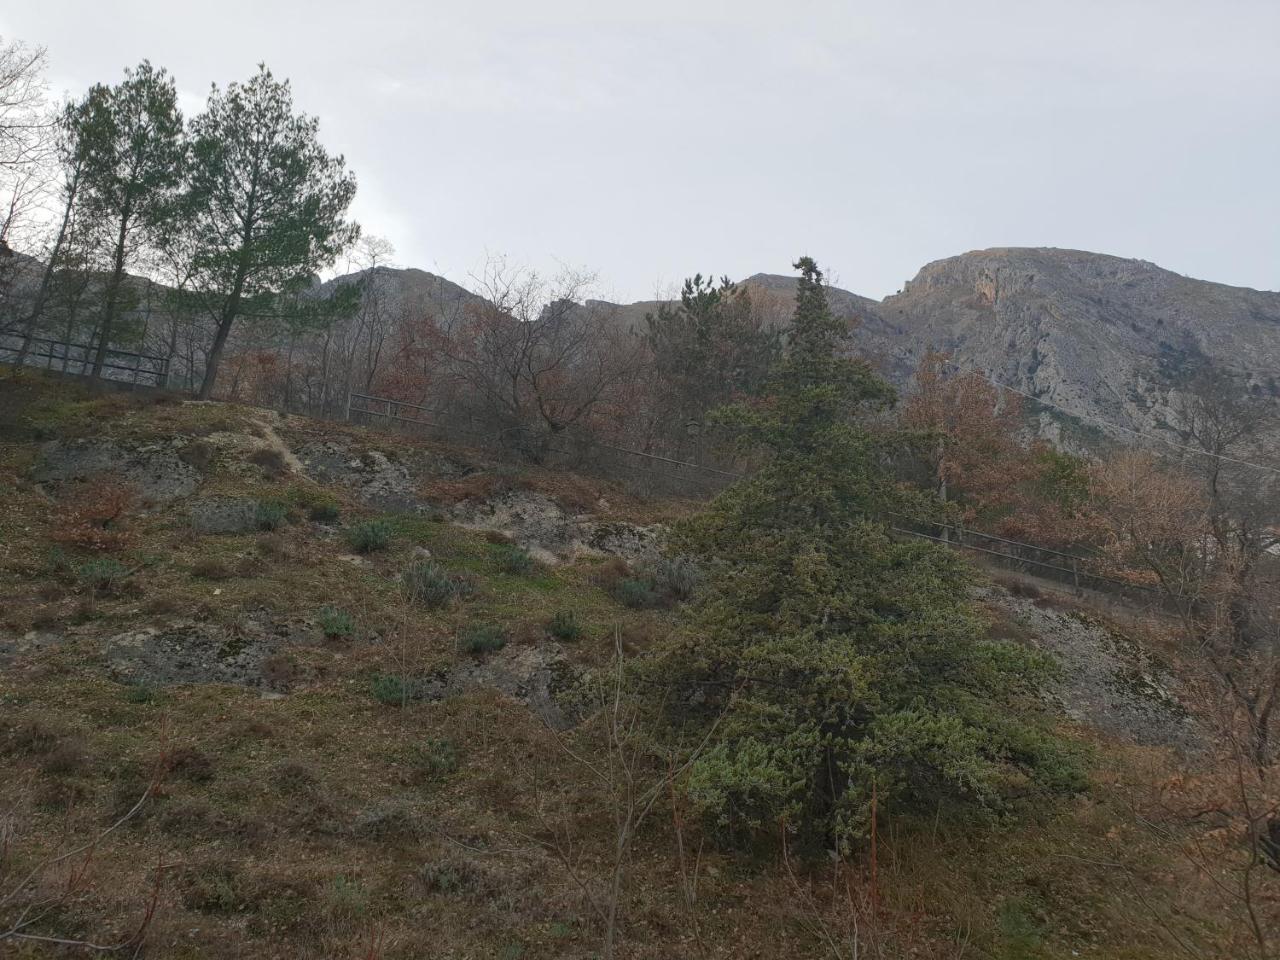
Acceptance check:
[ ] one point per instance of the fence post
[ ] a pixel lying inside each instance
(347, 416)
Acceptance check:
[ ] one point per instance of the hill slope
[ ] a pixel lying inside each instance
(1100, 336)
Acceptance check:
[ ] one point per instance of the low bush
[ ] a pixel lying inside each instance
(436, 758)
(481, 638)
(335, 624)
(368, 536)
(101, 575)
(270, 515)
(636, 593)
(427, 583)
(515, 560)
(394, 690)
(564, 625)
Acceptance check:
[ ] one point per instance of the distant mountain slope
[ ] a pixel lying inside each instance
(1100, 336)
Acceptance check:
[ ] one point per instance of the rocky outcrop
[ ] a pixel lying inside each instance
(156, 469)
(551, 533)
(1109, 340)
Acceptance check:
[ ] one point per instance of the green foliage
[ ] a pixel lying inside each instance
(266, 208)
(480, 638)
(429, 584)
(514, 560)
(394, 689)
(126, 160)
(710, 347)
(564, 625)
(636, 593)
(102, 574)
(336, 624)
(838, 660)
(1062, 478)
(270, 515)
(368, 536)
(436, 758)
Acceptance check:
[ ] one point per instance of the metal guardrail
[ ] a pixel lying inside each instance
(76, 359)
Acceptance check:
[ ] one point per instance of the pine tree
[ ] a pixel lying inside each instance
(131, 142)
(838, 659)
(267, 205)
(709, 348)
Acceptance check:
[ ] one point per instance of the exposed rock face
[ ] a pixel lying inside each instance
(371, 474)
(540, 525)
(191, 652)
(223, 515)
(1104, 680)
(1110, 340)
(155, 469)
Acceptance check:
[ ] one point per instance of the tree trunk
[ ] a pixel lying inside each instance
(46, 279)
(113, 293)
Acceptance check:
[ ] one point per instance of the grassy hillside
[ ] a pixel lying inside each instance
(306, 761)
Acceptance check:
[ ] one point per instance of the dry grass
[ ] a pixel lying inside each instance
(326, 824)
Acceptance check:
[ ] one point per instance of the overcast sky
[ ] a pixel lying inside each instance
(652, 139)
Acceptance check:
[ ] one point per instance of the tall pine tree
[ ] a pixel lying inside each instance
(839, 660)
(267, 206)
(132, 148)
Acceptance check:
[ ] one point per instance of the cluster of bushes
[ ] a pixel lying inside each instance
(662, 583)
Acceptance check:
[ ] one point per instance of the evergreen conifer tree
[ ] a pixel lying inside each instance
(838, 659)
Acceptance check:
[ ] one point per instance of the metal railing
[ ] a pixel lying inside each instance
(77, 359)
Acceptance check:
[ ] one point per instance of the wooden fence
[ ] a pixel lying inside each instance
(76, 359)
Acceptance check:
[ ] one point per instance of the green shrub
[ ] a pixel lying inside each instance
(636, 594)
(335, 624)
(428, 583)
(369, 536)
(394, 689)
(564, 625)
(482, 638)
(515, 560)
(436, 758)
(102, 574)
(324, 512)
(270, 515)
(141, 692)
